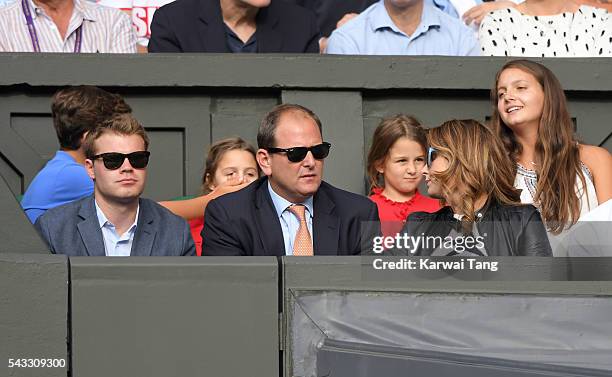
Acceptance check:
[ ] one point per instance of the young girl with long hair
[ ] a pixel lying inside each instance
(395, 163)
(561, 176)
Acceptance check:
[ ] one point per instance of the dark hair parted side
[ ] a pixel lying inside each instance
(121, 124)
(215, 155)
(386, 134)
(478, 165)
(557, 151)
(79, 109)
(267, 128)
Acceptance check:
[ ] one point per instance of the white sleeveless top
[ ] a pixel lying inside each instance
(526, 181)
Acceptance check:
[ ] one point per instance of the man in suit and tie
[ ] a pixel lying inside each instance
(115, 220)
(290, 211)
(244, 26)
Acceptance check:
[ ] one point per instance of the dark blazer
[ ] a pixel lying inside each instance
(245, 223)
(506, 230)
(73, 229)
(197, 26)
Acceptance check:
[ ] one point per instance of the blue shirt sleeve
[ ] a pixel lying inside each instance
(342, 44)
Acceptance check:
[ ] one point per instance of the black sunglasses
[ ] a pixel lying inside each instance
(432, 154)
(114, 160)
(297, 154)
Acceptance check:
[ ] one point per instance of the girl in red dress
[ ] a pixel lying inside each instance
(395, 163)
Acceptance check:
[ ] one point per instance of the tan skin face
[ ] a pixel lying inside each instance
(402, 169)
(520, 100)
(235, 165)
(294, 181)
(125, 184)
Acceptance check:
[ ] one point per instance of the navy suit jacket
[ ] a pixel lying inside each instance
(73, 229)
(197, 26)
(245, 223)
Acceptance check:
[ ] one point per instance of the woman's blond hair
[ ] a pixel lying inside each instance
(478, 165)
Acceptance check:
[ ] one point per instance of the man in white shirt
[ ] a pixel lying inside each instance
(64, 26)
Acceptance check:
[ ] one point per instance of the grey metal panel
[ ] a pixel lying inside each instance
(240, 115)
(431, 108)
(13, 178)
(342, 275)
(346, 359)
(530, 275)
(340, 114)
(174, 316)
(593, 123)
(165, 173)
(25, 138)
(17, 234)
(34, 309)
(38, 130)
(284, 71)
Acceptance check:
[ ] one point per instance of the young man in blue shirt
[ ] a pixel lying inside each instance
(75, 111)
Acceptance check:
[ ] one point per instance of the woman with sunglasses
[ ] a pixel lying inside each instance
(468, 169)
(395, 164)
(562, 177)
(230, 166)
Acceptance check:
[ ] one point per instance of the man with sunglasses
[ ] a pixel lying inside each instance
(115, 220)
(290, 211)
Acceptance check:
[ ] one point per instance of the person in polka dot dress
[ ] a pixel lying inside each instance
(547, 28)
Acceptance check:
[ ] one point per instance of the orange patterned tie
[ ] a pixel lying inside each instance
(302, 245)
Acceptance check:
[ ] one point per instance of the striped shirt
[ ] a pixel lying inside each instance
(104, 29)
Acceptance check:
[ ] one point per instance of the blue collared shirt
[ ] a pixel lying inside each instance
(115, 245)
(289, 222)
(374, 33)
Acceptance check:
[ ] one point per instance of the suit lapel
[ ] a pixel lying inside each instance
(146, 229)
(211, 28)
(267, 222)
(268, 39)
(89, 229)
(326, 225)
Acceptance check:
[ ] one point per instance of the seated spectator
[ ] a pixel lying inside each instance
(75, 111)
(468, 168)
(115, 220)
(403, 27)
(246, 26)
(64, 26)
(563, 178)
(290, 211)
(230, 166)
(547, 28)
(333, 14)
(395, 170)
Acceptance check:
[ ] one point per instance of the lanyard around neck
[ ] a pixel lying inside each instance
(32, 29)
